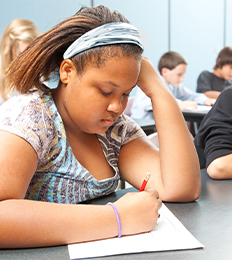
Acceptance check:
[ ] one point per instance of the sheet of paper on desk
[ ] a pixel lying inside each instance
(168, 234)
(200, 108)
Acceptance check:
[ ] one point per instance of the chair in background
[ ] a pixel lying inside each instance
(127, 110)
(154, 138)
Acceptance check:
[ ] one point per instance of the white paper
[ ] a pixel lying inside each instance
(198, 109)
(168, 234)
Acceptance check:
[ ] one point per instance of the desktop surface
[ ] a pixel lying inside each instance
(208, 219)
(196, 115)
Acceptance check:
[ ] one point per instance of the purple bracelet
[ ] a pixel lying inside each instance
(118, 219)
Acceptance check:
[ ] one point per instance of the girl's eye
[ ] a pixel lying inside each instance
(105, 93)
(127, 95)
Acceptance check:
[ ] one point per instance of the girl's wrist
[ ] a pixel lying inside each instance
(117, 217)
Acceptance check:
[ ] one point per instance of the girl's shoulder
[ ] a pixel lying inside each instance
(35, 101)
(31, 117)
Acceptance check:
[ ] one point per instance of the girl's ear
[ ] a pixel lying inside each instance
(66, 69)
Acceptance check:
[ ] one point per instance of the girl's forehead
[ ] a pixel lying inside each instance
(121, 71)
(110, 61)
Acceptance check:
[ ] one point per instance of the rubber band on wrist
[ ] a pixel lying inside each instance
(118, 219)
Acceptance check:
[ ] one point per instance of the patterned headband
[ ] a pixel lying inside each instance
(110, 33)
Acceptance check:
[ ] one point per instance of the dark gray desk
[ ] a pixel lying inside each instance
(194, 119)
(148, 125)
(209, 220)
(192, 116)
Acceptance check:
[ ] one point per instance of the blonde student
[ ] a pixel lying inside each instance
(15, 38)
(71, 144)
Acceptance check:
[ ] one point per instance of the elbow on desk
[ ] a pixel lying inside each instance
(219, 170)
(196, 192)
(184, 194)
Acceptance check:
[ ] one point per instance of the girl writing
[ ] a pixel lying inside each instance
(67, 145)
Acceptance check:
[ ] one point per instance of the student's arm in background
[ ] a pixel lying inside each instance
(210, 101)
(215, 137)
(187, 104)
(175, 170)
(204, 86)
(221, 168)
(212, 94)
(186, 98)
(188, 95)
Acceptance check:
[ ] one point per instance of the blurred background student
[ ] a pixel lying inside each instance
(214, 138)
(17, 35)
(212, 83)
(172, 67)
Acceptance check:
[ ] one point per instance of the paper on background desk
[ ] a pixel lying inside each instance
(200, 108)
(168, 234)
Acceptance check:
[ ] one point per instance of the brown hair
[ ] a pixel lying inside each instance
(44, 55)
(170, 60)
(17, 30)
(224, 58)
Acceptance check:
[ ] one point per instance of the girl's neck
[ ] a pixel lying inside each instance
(70, 128)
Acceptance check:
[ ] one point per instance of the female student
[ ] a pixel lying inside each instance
(15, 38)
(63, 146)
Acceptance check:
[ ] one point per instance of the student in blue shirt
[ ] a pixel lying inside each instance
(172, 67)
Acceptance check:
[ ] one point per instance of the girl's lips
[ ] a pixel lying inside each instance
(108, 121)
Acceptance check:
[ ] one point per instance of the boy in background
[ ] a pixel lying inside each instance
(172, 67)
(212, 83)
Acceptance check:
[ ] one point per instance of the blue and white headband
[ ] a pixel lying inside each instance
(110, 33)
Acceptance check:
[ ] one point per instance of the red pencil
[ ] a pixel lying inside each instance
(145, 181)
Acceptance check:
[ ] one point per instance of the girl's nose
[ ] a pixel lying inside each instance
(115, 106)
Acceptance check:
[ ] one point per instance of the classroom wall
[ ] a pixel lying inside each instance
(198, 29)
(45, 13)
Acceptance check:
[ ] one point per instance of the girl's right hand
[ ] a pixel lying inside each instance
(149, 79)
(138, 211)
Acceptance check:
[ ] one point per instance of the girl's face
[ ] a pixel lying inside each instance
(95, 100)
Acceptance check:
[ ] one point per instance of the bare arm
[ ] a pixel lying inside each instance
(221, 168)
(175, 167)
(210, 101)
(25, 223)
(184, 104)
(212, 94)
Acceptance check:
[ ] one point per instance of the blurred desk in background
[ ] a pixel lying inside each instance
(196, 115)
(193, 117)
(148, 125)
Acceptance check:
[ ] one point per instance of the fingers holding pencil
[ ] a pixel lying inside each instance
(147, 176)
(159, 201)
(138, 211)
